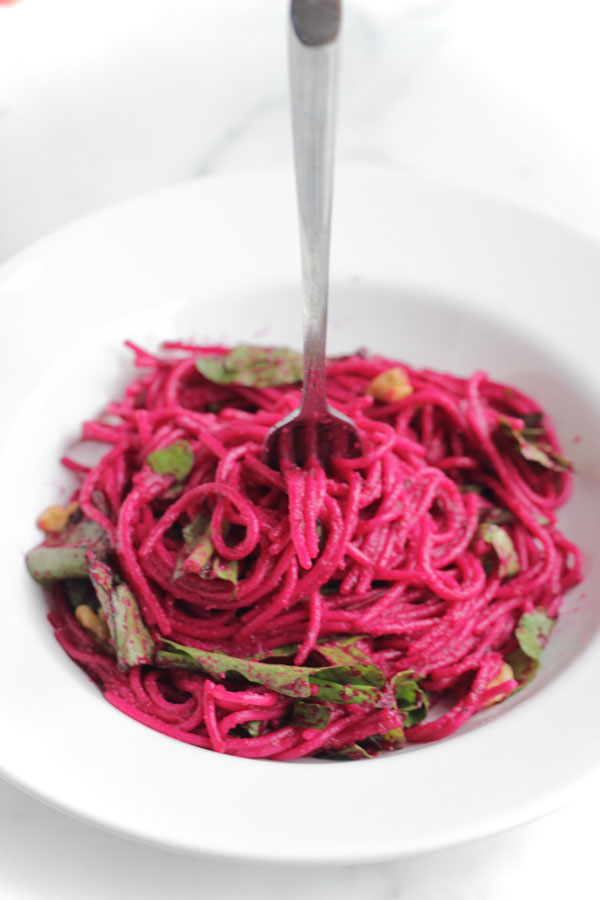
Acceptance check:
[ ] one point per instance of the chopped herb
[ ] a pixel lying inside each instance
(340, 684)
(177, 460)
(538, 452)
(310, 715)
(502, 543)
(198, 557)
(225, 569)
(391, 740)
(524, 667)
(64, 554)
(533, 631)
(253, 366)
(352, 751)
(410, 698)
(470, 489)
(534, 424)
(275, 652)
(200, 548)
(343, 652)
(499, 516)
(358, 684)
(196, 529)
(131, 639)
(253, 728)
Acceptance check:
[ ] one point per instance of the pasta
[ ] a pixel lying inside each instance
(303, 612)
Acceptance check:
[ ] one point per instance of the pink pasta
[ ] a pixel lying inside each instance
(402, 591)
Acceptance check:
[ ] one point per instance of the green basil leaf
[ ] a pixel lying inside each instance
(133, 641)
(340, 684)
(410, 698)
(538, 452)
(343, 652)
(253, 728)
(502, 543)
(499, 516)
(534, 424)
(342, 642)
(357, 684)
(352, 751)
(195, 563)
(292, 649)
(310, 715)
(391, 740)
(533, 631)
(195, 530)
(64, 554)
(177, 460)
(178, 570)
(544, 456)
(289, 680)
(174, 492)
(524, 667)
(214, 368)
(364, 675)
(253, 366)
(285, 650)
(225, 569)
(197, 559)
(130, 637)
(197, 536)
(102, 579)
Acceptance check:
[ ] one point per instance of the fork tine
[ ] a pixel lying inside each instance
(286, 451)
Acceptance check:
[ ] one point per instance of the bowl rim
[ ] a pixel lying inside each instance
(460, 817)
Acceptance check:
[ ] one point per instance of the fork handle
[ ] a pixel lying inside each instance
(313, 59)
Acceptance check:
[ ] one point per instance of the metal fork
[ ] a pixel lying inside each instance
(314, 431)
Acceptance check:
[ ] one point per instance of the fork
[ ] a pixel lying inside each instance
(314, 431)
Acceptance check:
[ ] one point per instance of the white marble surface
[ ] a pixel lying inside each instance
(47, 856)
(101, 101)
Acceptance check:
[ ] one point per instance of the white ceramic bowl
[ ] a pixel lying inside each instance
(432, 275)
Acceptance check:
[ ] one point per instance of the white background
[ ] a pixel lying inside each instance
(102, 101)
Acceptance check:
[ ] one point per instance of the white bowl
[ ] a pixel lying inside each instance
(429, 274)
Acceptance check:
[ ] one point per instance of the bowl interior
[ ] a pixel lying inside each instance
(421, 329)
(436, 276)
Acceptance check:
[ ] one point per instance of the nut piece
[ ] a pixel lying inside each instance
(55, 518)
(92, 622)
(390, 386)
(505, 674)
